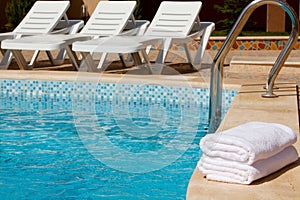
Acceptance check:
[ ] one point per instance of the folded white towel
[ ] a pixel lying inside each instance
(249, 142)
(234, 172)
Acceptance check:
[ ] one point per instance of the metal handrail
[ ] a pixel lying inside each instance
(216, 82)
(298, 104)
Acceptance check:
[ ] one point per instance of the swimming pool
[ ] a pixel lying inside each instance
(79, 140)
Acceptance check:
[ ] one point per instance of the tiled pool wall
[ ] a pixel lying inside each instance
(86, 92)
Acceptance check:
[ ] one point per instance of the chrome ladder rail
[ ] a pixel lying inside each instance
(216, 81)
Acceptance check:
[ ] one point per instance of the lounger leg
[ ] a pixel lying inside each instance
(164, 50)
(204, 39)
(61, 55)
(199, 55)
(188, 55)
(20, 59)
(73, 57)
(50, 57)
(136, 58)
(102, 60)
(88, 60)
(2, 51)
(146, 59)
(148, 49)
(34, 58)
(126, 62)
(6, 60)
(123, 61)
(59, 60)
(7, 56)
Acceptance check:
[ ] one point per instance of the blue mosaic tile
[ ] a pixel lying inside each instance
(82, 94)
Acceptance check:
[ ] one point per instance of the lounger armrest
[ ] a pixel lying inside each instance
(200, 32)
(138, 27)
(70, 27)
(202, 29)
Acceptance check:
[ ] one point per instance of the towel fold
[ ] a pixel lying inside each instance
(249, 142)
(219, 169)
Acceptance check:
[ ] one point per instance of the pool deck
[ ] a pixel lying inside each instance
(250, 106)
(247, 106)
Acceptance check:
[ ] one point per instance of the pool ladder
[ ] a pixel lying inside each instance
(216, 81)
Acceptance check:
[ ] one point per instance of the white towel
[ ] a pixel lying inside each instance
(234, 172)
(249, 142)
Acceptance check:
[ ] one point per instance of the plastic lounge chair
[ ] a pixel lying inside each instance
(63, 27)
(136, 28)
(42, 18)
(174, 23)
(205, 29)
(123, 45)
(109, 18)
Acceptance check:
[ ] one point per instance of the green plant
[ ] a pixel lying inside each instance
(138, 10)
(232, 9)
(15, 11)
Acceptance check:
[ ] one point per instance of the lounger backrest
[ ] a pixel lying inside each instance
(109, 18)
(174, 19)
(42, 17)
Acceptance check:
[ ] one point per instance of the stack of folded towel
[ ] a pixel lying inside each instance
(247, 152)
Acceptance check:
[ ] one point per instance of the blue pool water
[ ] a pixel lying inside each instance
(64, 140)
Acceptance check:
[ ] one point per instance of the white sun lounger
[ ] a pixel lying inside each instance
(174, 23)
(109, 18)
(43, 17)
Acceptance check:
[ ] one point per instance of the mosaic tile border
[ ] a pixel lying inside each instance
(252, 43)
(242, 43)
(86, 93)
